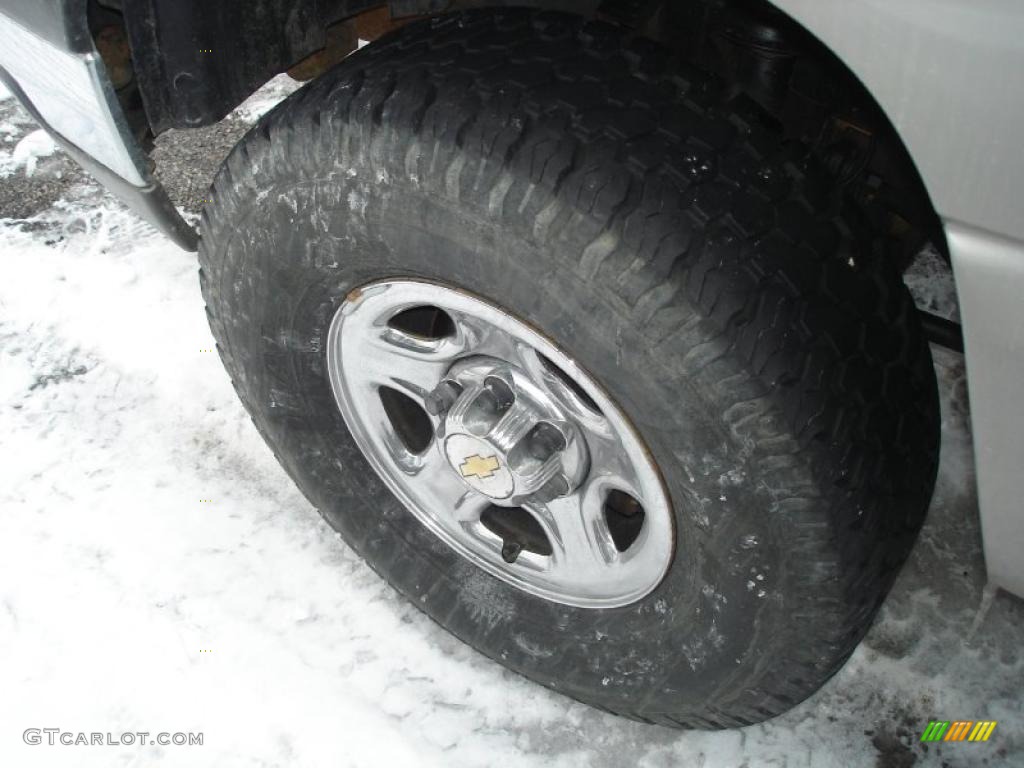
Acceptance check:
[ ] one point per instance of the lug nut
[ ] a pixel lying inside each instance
(510, 551)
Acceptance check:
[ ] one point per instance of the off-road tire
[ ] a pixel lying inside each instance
(653, 225)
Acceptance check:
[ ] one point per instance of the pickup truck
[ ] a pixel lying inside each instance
(594, 308)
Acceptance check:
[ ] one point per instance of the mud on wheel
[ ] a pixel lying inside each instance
(570, 350)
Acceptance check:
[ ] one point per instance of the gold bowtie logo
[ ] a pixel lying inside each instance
(479, 466)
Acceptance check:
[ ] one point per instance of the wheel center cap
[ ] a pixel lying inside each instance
(480, 465)
(506, 438)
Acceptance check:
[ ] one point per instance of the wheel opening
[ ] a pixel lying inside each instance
(543, 441)
(516, 526)
(624, 516)
(410, 422)
(539, 445)
(567, 380)
(425, 322)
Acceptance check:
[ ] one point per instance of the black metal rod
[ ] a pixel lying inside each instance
(941, 331)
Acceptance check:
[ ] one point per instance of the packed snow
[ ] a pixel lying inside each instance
(27, 153)
(159, 572)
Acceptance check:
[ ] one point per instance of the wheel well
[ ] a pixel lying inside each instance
(187, 63)
(817, 100)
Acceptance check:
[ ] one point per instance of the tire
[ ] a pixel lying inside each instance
(738, 310)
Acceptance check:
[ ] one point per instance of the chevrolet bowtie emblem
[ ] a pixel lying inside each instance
(480, 467)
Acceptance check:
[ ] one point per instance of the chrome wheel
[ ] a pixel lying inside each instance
(499, 443)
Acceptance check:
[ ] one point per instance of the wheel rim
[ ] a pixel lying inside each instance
(499, 443)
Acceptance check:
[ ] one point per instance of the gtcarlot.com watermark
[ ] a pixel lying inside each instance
(54, 736)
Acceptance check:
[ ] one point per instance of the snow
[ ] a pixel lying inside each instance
(27, 152)
(160, 572)
(266, 98)
(34, 146)
(931, 283)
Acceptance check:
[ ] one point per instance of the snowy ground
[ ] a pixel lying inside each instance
(159, 572)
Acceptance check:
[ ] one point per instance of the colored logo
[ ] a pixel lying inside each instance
(480, 467)
(958, 730)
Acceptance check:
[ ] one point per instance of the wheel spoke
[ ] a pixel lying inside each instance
(483, 338)
(429, 473)
(578, 534)
(608, 461)
(469, 507)
(534, 364)
(410, 365)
